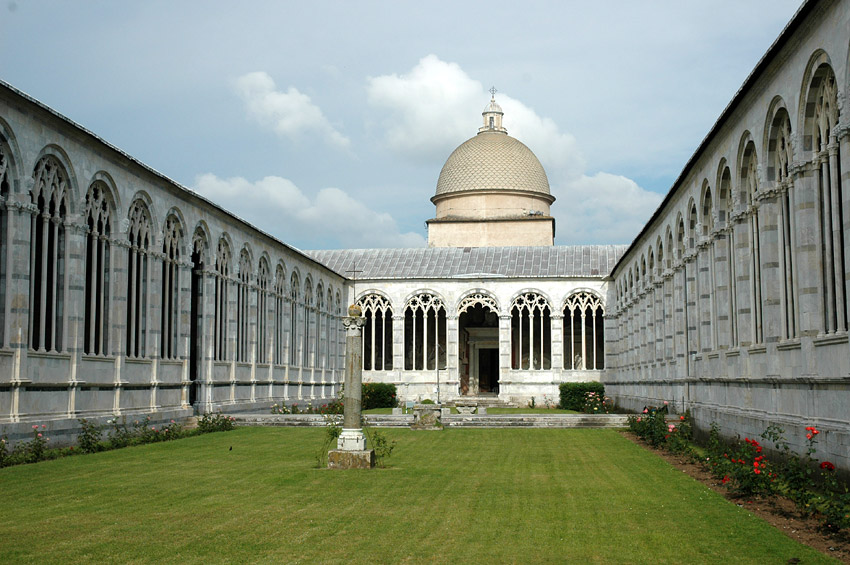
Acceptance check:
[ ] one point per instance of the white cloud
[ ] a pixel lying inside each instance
(602, 208)
(435, 106)
(331, 219)
(291, 113)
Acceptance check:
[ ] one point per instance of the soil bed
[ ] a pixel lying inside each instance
(778, 511)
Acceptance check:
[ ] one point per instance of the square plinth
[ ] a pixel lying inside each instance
(342, 459)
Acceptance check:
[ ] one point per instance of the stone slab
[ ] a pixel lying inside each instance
(339, 459)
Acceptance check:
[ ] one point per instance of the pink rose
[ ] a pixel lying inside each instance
(39, 435)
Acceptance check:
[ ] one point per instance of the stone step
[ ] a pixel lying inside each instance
(488, 401)
(536, 421)
(452, 421)
(318, 420)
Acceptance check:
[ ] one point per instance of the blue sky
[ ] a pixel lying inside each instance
(327, 123)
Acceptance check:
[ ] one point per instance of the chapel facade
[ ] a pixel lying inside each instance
(123, 293)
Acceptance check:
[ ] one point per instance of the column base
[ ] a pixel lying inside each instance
(346, 459)
(351, 440)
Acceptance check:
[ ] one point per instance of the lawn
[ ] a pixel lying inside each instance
(468, 496)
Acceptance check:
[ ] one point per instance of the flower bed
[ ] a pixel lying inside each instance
(743, 467)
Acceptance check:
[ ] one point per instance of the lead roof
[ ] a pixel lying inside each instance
(586, 261)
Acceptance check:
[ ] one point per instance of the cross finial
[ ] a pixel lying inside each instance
(493, 92)
(353, 270)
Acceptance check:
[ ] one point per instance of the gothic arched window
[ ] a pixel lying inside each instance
(47, 255)
(5, 191)
(779, 164)
(98, 270)
(172, 238)
(377, 333)
(279, 314)
(294, 307)
(531, 332)
(424, 333)
(823, 94)
(262, 310)
(243, 308)
(584, 336)
(750, 185)
(222, 276)
(138, 265)
(319, 328)
(306, 334)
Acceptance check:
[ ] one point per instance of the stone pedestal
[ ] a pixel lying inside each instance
(343, 459)
(427, 417)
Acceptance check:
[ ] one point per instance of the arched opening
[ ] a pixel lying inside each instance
(584, 333)
(199, 245)
(478, 340)
(377, 333)
(531, 332)
(424, 333)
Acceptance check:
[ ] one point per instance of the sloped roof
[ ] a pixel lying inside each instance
(592, 261)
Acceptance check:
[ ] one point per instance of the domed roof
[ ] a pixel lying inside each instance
(492, 160)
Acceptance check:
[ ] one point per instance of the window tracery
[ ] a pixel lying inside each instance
(280, 312)
(98, 270)
(138, 265)
(531, 332)
(47, 255)
(173, 237)
(583, 323)
(377, 333)
(243, 308)
(5, 240)
(295, 309)
(424, 333)
(262, 311)
(222, 277)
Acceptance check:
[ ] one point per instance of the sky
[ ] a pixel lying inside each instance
(326, 124)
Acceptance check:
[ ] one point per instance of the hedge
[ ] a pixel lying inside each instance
(573, 394)
(378, 395)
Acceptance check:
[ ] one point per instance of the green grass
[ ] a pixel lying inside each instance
(466, 496)
(378, 411)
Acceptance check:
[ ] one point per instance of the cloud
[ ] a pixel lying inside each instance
(602, 208)
(291, 113)
(435, 106)
(332, 219)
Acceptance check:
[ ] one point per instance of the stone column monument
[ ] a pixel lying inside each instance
(351, 452)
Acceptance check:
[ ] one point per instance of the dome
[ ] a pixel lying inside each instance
(492, 160)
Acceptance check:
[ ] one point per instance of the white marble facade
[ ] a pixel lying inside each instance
(125, 294)
(733, 300)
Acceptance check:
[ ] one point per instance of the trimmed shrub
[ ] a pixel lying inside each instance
(573, 395)
(378, 395)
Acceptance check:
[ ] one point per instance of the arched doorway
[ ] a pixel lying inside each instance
(478, 351)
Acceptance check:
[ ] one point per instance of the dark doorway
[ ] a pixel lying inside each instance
(195, 348)
(478, 329)
(488, 370)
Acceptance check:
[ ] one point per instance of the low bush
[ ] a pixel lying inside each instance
(745, 469)
(378, 395)
(121, 434)
(573, 395)
(89, 437)
(215, 422)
